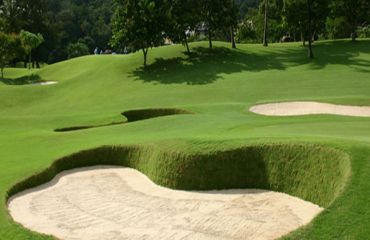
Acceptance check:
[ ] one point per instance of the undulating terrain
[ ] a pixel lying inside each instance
(194, 130)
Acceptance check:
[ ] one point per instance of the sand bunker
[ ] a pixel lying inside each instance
(121, 203)
(45, 83)
(308, 108)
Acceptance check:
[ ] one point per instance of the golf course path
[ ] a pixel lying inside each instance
(309, 108)
(121, 203)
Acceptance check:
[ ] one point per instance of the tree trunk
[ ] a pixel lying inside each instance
(310, 52)
(233, 44)
(2, 73)
(187, 44)
(210, 37)
(38, 64)
(145, 52)
(303, 39)
(265, 43)
(29, 60)
(353, 32)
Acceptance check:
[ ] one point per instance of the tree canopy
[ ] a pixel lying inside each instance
(8, 49)
(78, 27)
(30, 41)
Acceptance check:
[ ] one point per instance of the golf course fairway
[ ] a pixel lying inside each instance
(184, 122)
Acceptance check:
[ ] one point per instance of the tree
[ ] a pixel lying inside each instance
(294, 18)
(2, 24)
(8, 43)
(353, 10)
(309, 16)
(218, 15)
(30, 41)
(231, 19)
(11, 13)
(211, 14)
(139, 24)
(309, 24)
(265, 42)
(183, 19)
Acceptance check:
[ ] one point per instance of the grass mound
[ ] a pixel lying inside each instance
(132, 116)
(311, 172)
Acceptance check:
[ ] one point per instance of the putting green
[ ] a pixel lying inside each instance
(324, 159)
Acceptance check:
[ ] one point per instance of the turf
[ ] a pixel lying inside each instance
(218, 86)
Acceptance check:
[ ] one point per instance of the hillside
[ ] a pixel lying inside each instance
(219, 87)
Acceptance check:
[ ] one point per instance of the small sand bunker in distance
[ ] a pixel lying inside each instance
(45, 83)
(121, 203)
(308, 108)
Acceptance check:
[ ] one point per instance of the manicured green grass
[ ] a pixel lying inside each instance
(221, 136)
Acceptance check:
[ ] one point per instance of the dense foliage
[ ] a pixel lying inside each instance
(78, 27)
(61, 22)
(29, 42)
(8, 44)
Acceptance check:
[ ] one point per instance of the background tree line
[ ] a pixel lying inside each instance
(76, 27)
(70, 27)
(332, 19)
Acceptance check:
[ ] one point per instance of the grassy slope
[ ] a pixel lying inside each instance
(219, 86)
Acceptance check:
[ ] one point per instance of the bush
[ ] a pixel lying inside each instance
(337, 28)
(77, 50)
(363, 32)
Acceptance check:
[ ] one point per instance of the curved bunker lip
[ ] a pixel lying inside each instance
(108, 202)
(131, 116)
(261, 166)
(309, 108)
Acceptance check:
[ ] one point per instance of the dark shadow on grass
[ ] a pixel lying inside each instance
(78, 128)
(204, 66)
(31, 79)
(131, 116)
(342, 52)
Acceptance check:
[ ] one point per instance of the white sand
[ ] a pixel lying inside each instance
(45, 83)
(308, 108)
(120, 203)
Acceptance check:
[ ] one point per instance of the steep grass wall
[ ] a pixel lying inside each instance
(311, 172)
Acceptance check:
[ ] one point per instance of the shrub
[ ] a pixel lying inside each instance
(77, 50)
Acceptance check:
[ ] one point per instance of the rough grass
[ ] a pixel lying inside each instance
(314, 173)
